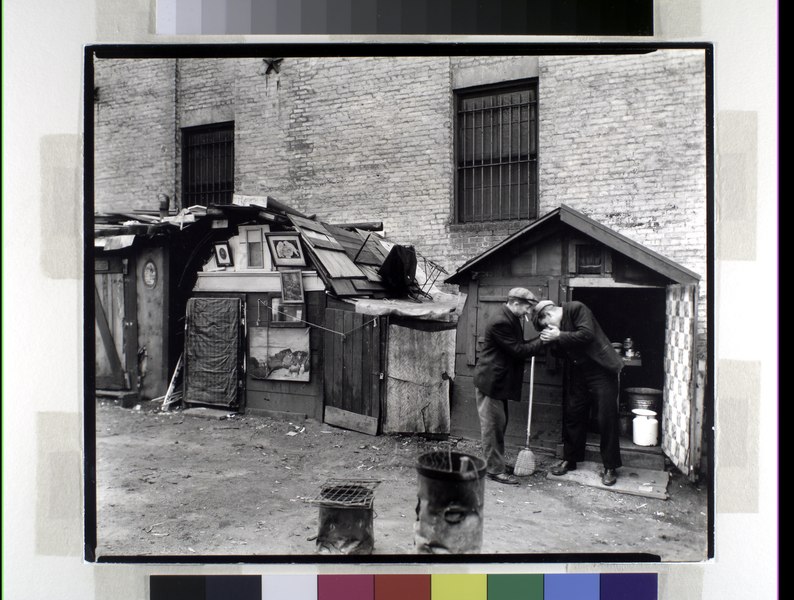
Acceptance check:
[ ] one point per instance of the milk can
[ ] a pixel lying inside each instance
(645, 427)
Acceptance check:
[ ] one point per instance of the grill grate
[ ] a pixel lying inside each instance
(346, 493)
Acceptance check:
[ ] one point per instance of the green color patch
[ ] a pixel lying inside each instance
(515, 587)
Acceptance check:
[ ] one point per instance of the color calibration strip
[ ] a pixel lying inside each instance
(565, 586)
(413, 17)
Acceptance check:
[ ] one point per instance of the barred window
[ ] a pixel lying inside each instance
(497, 153)
(208, 164)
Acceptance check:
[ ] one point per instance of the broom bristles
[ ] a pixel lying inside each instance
(525, 463)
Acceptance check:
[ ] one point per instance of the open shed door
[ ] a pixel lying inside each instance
(680, 435)
(353, 374)
(213, 351)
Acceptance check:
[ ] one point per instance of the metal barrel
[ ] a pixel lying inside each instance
(449, 509)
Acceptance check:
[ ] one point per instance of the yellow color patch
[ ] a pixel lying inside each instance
(459, 587)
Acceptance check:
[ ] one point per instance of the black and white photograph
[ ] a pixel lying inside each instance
(291, 287)
(223, 254)
(285, 249)
(505, 349)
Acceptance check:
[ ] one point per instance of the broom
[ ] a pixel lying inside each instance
(525, 462)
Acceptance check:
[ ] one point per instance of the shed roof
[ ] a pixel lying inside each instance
(597, 231)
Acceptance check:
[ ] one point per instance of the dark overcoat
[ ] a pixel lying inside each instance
(581, 338)
(503, 352)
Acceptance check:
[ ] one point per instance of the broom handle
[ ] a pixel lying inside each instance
(531, 390)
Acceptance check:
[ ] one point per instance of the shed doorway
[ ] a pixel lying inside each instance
(633, 313)
(639, 314)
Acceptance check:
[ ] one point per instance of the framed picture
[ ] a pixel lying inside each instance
(285, 248)
(223, 254)
(292, 287)
(281, 354)
(285, 315)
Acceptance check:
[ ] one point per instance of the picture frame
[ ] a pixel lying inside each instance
(280, 354)
(223, 254)
(292, 287)
(286, 249)
(285, 315)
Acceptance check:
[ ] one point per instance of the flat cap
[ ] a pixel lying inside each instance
(522, 294)
(538, 309)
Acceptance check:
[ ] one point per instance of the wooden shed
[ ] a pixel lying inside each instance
(633, 291)
(317, 332)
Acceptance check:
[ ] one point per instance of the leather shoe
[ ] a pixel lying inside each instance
(563, 467)
(609, 477)
(503, 478)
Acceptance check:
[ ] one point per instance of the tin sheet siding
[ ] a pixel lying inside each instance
(678, 436)
(420, 366)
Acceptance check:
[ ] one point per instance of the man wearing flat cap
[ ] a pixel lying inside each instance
(572, 332)
(498, 375)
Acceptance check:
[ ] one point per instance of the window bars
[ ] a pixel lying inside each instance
(208, 164)
(497, 154)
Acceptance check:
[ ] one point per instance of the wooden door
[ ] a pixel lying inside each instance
(116, 324)
(681, 436)
(213, 351)
(352, 352)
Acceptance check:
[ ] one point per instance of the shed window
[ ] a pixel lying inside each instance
(208, 164)
(589, 259)
(497, 153)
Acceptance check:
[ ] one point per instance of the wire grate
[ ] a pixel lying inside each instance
(346, 493)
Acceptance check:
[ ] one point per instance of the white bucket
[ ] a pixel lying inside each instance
(645, 427)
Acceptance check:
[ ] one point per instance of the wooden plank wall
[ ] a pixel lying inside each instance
(484, 297)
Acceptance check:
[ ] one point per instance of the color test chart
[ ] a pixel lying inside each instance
(563, 586)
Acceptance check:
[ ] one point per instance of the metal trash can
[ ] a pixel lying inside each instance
(346, 516)
(449, 508)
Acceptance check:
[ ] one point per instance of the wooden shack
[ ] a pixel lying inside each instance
(633, 291)
(255, 307)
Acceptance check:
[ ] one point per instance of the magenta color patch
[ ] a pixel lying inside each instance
(345, 587)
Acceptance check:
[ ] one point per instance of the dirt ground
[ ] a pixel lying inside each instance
(169, 483)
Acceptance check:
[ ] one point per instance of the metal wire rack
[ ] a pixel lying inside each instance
(348, 493)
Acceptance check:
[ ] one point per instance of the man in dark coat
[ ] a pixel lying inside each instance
(594, 367)
(498, 375)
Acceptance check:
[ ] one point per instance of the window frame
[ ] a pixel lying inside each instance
(533, 187)
(267, 261)
(190, 197)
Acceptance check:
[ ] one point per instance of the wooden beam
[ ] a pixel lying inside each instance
(366, 226)
(350, 420)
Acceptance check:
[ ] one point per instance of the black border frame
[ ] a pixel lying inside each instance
(354, 49)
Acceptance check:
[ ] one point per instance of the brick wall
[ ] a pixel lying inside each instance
(633, 158)
(622, 139)
(134, 133)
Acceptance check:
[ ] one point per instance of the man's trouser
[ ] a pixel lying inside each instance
(493, 424)
(590, 383)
